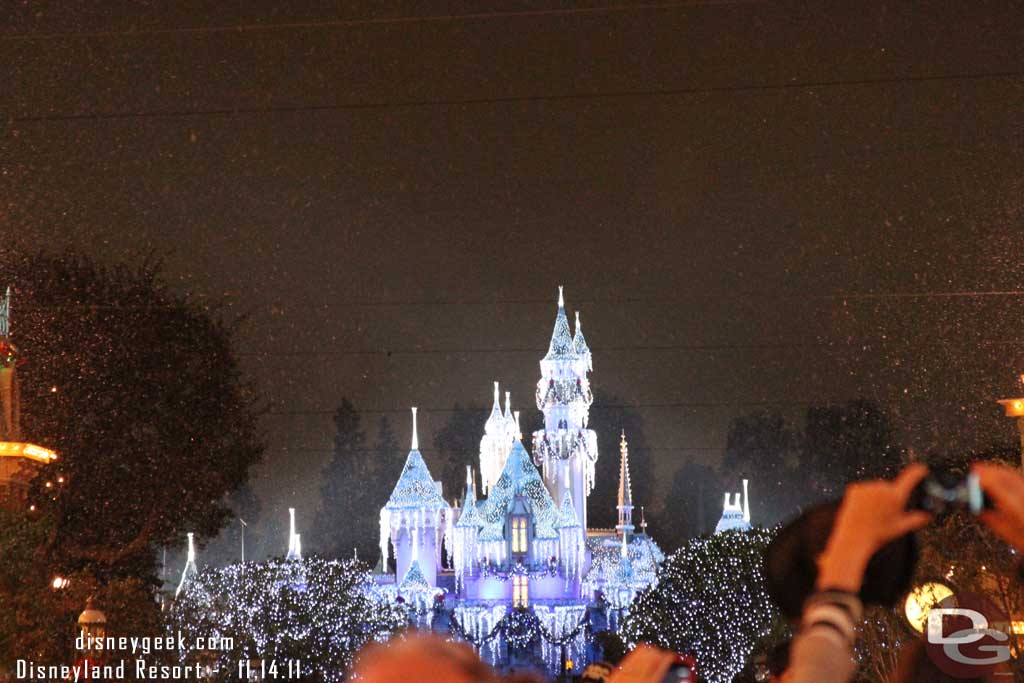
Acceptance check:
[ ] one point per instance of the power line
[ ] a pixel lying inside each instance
(762, 297)
(598, 408)
(372, 21)
(510, 99)
(462, 451)
(852, 346)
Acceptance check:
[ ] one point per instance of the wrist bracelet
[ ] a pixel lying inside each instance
(847, 600)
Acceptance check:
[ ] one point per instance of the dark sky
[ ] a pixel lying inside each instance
(751, 202)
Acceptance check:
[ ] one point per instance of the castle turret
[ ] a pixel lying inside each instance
(565, 448)
(571, 547)
(467, 529)
(416, 517)
(494, 445)
(625, 502)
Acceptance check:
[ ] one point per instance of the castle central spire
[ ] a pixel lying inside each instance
(566, 448)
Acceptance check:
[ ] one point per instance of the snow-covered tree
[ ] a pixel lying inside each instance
(314, 610)
(710, 601)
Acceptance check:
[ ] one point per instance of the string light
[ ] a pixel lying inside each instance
(709, 601)
(319, 611)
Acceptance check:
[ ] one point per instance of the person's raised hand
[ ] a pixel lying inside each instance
(872, 514)
(1005, 488)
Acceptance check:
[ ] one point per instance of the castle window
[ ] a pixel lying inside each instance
(519, 535)
(520, 591)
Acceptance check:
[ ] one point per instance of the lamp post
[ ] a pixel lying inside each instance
(1014, 407)
(92, 629)
(243, 525)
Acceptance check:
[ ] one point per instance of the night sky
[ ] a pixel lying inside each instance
(753, 204)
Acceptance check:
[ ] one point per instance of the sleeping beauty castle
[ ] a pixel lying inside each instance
(521, 539)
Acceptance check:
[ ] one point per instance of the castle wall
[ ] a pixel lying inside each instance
(427, 553)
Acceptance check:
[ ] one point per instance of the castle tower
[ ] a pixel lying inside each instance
(565, 449)
(467, 528)
(625, 503)
(416, 518)
(495, 443)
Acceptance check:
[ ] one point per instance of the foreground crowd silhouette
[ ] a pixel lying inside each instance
(869, 523)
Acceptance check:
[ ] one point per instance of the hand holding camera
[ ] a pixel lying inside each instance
(872, 514)
(1004, 487)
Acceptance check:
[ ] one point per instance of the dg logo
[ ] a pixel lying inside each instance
(968, 636)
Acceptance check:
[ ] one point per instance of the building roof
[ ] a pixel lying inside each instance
(470, 516)
(495, 420)
(637, 569)
(567, 518)
(561, 345)
(519, 478)
(415, 488)
(579, 342)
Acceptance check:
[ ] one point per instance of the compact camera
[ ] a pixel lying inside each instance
(941, 493)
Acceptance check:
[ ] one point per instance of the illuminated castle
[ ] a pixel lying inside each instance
(522, 540)
(19, 461)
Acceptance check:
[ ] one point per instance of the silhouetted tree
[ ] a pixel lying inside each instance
(765, 449)
(139, 390)
(609, 416)
(351, 494)
(692, 506)
(847, 442)
(388, 453)
(456, 445)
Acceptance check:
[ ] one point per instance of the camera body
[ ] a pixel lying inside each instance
(942, 493)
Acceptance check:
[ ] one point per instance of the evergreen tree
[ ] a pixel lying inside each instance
(847, 442)
(456, 445)
(693, 505)
(609, 417)
(389, 456)
(357, 482)
(349, 501)
(313, 610)
(139, 390)
(765, 449)
(710, 602)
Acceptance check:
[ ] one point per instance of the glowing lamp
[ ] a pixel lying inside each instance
(92, 627)
(12, 449)
(1014, 407)
(920, 602)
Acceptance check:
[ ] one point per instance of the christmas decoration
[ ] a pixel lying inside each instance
(321, 620)
(492, 629)
(709, 601)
